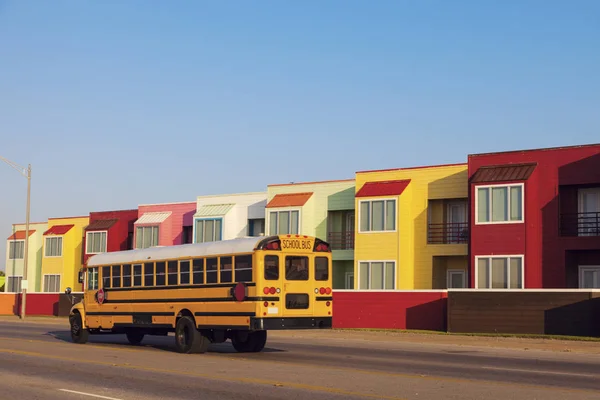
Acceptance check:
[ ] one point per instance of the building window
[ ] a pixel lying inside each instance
(146, 236)
(52, 283)
(284, 222)
(377, 215)
(456, 279)
(16, 250)
(208, 230)
(53, 246)
(499, 204)
(256, 227)
(376, 275)
(95, 242)
(589, 277)
(349, 280)
(501, 272)
(13, 284)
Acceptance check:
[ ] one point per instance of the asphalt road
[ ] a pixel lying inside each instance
(38, 361)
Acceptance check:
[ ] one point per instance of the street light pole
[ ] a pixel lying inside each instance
(26, 172)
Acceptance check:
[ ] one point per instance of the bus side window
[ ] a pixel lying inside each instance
(198, 270)
(160, 273)
(137, 275)
(116, 276)
(211, 270)
(321, 269)
(243, 268)
(92, 278)
(184, 272)
(271, 268)
(226, 270)
(149, 274)
(127, 275)
(172, 273)
(106, 277)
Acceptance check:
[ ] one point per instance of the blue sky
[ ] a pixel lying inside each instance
(117, 103)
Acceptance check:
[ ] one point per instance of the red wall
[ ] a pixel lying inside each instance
(390, 310)
(118, 233)
(538, 237)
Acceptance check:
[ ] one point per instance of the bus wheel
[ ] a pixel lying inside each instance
(188, 339)
(78, 333)
(251, 342)
(135, 337)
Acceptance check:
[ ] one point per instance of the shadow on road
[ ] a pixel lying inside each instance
(164, 343)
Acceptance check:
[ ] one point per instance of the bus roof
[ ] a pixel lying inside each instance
(232, 246)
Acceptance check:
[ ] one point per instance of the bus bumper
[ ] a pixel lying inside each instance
(291, 323)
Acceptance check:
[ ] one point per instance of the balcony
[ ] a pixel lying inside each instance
(448, 233)
(341, 240)
(580, 224)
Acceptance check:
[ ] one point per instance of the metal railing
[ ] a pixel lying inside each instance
(448, 233)
(580, 224)
(341, 240)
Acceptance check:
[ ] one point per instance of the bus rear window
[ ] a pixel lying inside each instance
(296, 268)
(321, 269)
(271, 268)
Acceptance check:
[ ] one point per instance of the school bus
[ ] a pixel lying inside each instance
(207, 292)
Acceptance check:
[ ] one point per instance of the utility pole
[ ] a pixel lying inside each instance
(26, 172)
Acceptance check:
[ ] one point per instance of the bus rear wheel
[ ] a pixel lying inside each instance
(78, 333)
(249, 342)
(188, 338)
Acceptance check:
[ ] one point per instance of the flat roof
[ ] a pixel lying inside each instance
(410, 168)
(311, 183)
(575, 146)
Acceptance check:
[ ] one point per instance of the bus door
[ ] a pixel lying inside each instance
(298, 293)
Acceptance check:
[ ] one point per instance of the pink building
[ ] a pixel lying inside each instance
(164, 224)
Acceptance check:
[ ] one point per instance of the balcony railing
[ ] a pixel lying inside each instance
(448, 233)
(580, 224)
(341, 240)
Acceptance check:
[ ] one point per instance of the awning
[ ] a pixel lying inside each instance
(503, 173)
(289, 200)
(213, 210)
(153, 217)
(20, 235)
(101, 225)
(384, 188)
(58, 229)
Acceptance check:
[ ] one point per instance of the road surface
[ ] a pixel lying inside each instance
(40, 362)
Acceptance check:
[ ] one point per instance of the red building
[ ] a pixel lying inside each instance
(109, 231)
(535, 218)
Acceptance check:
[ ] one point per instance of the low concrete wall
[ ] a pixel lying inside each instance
(40, 304)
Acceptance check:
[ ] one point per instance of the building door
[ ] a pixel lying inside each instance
(589, 212)
(589, 277)
(348, 235)
(456, 279)
(457, 218)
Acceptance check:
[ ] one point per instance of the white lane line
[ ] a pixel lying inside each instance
(89, 394)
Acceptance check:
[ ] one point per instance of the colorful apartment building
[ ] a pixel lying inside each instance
(535, 218)
(164, 224)
(321, 209)
(412, 228)
(109, 231)
(63, 253)
(223, 217)
(15, 257)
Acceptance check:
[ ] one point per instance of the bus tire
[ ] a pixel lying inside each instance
(253, 342)
(78, 333)
(134, 337)
(188, 338)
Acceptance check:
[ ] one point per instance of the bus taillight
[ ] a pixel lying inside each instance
(323, 290)
(271, 290)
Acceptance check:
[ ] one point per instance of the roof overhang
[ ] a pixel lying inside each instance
(20, 235)
(384, 188)
(289, 200)
(153, 218)
(59, 229)
(503, 173)
(213, 210)
(101, 225)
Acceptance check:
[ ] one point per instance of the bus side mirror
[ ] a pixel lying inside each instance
(68, 290)
(80, 277)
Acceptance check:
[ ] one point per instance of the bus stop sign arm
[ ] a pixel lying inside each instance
(26, 172)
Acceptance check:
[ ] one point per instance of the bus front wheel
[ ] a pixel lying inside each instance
(249, 342)
(188, 338)
(78, 333)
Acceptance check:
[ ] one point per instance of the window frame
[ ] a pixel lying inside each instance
(370, 201)
(194, 229)
(142, 227)
(288, 210)
(504, 256)
(489, 189)
(12, 243)
(44, 282)
(369, 262)
(87, 241)
(582, 269)
(19, 279)
(450, 272)
(54, 237)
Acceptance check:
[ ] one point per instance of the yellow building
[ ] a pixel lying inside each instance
(412, 228)
(62, 253)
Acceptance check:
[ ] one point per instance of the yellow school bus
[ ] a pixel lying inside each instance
(208, 292)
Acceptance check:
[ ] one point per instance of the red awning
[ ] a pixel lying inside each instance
(101, 225)
(503, 173)
(59, 230)
(385, 188)
(20, 235)
(289, 200)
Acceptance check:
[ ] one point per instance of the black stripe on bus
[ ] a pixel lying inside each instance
(324, 298)
(225, 327)
(191, 300)
(198, 286)
(120, 313)
(225, 314)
